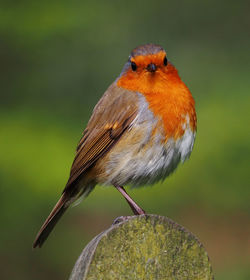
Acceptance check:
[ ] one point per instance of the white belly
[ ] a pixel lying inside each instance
(146, 159)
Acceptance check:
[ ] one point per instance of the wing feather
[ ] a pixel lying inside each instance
(111, 118)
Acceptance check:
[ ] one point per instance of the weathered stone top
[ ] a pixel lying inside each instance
(143, 247)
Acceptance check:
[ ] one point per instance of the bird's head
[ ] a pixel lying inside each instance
(147, 68)
(148, 59)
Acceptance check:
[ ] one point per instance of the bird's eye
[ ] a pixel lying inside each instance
(133, 66)
(165, 61)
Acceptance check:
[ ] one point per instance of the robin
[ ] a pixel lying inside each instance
(139, 131)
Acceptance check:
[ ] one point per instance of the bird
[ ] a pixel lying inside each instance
(140, 130)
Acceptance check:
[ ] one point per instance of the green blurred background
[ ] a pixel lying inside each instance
(57, 58)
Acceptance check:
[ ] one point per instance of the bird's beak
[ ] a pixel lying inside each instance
(151, 67)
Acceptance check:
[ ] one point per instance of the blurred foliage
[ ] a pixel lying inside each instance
(57, 59)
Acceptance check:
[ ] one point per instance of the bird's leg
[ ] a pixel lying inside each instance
(135, 207)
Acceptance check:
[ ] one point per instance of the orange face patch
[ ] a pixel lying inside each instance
(143, 61)
(168, 97)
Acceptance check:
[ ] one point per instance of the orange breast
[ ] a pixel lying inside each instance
(168, 97)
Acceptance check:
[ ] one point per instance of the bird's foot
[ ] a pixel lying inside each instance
(120, 219)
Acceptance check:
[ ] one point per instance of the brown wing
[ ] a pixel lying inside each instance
(111, 117)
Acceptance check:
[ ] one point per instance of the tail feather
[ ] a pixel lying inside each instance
(51, 221)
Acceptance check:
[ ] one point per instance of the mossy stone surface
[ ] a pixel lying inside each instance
(147, 247)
